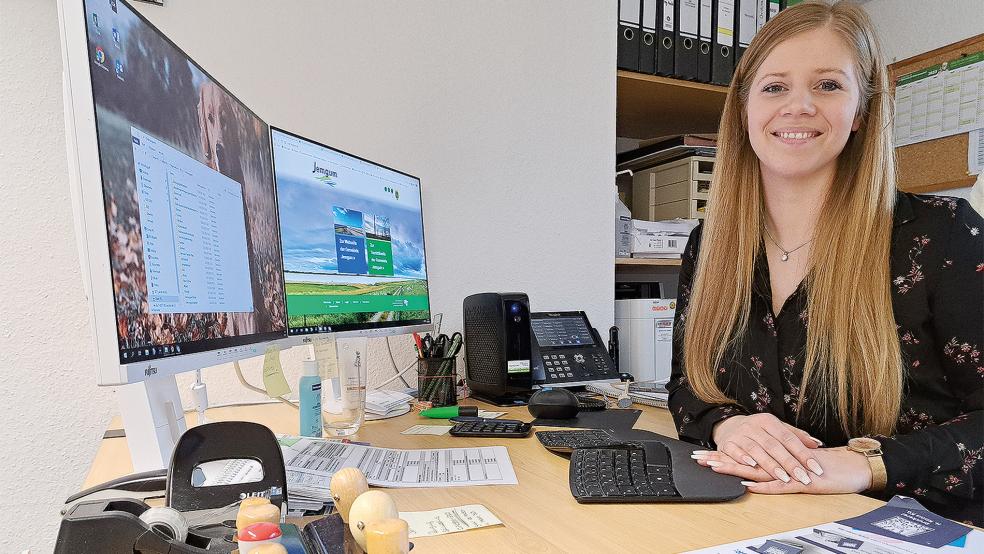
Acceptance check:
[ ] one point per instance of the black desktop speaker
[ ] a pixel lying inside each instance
(497, 347)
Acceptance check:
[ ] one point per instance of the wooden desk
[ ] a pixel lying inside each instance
(539, 514)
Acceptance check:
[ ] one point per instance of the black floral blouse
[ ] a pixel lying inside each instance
(938, 300)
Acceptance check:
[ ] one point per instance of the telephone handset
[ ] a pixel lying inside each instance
(567, 351)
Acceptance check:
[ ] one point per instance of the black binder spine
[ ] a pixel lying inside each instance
(666, 31)
(723, 41)
(628, 34)
(687, 25)
(647, 48)
(704, 42)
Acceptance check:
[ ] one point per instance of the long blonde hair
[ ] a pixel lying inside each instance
(853, 357)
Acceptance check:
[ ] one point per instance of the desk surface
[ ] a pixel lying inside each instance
(539, 514)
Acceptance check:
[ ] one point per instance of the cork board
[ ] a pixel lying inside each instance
(937, 164)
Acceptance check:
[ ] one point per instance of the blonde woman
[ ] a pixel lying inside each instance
(829, 328)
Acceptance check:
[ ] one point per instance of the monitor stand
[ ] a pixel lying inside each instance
(153, 420)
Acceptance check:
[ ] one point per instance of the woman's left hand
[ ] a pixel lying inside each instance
(844, 471)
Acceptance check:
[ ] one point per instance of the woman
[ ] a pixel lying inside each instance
(817, 304)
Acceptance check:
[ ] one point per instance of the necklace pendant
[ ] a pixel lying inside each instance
(785, 256)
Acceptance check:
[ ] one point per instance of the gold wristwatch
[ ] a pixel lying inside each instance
(872, 451)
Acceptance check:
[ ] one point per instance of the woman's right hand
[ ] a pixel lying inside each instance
(765, 441)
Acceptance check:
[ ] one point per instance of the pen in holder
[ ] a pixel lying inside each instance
(436, 379)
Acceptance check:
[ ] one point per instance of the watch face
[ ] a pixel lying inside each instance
(864, 444)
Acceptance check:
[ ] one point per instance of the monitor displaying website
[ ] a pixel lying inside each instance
(352, 238)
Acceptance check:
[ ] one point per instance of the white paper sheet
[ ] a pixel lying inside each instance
(975, 152)
(449, 520)
(427, 430)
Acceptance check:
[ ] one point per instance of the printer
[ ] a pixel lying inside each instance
(645, 333)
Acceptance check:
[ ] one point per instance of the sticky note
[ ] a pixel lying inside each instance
(273, 373)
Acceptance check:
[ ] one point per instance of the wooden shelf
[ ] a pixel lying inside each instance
(648, 261)
(650, 106)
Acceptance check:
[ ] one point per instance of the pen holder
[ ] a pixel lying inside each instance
(436, 379)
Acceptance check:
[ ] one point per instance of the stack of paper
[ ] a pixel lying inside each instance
(382, 402)
(639, 396)
(310, 463)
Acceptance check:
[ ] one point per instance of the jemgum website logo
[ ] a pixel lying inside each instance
(325, 175)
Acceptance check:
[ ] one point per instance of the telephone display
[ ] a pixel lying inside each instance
(567, 351)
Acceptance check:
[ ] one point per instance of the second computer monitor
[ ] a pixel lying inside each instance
(353, 241)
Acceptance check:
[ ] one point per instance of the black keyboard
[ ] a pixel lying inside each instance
(567, 441)
(507, 428)
(629, 472)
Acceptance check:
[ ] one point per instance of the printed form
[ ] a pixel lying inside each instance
(310, 464)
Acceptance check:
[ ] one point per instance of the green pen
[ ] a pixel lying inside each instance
(447, 412)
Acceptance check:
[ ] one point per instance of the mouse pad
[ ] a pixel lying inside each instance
(605, 419)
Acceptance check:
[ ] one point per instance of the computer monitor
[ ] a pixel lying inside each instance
(175, 208)
(353, 242)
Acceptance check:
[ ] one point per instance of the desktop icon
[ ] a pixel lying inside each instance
(95, 21)
(119, 69)
(100, 55)
(116, 36)
(113, 6)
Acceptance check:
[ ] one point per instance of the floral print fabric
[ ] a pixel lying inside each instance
(937, 263)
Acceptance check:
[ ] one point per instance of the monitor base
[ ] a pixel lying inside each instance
(153, 420)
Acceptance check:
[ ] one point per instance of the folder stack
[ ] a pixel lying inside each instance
(694, 40)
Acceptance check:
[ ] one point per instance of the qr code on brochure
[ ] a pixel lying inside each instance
(901, 526)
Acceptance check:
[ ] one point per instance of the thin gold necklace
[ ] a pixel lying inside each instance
(785, 253)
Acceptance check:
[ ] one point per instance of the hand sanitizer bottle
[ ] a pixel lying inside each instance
(309, 392)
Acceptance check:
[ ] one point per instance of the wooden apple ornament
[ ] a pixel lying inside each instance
(369, 507)
(346, 485)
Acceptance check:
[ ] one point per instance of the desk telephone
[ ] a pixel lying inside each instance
(567, 351)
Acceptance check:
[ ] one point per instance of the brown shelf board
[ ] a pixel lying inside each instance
(650, 106)
(648, 261)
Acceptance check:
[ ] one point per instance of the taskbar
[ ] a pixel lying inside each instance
(148, 352)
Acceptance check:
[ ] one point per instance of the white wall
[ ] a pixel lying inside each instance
(910, 27)
(505, 110)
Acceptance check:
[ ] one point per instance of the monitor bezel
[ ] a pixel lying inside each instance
(355, 330)
(86, 185)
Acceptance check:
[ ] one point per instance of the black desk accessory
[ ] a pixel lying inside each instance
(565, 442)
(497, 347)
(690, 482)
(552, 403)
(605, 419)
(495, 428)
(115, 524)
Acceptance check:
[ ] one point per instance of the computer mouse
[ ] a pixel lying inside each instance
(553, 404)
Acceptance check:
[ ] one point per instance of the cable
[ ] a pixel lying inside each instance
(243, 382)
(399, 374)
(396, 368)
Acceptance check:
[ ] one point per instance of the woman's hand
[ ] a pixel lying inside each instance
(846, 472)
(764, 441)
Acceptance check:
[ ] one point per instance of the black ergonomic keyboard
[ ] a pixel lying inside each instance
(505, 428)
(567, 441)
(629, 472)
